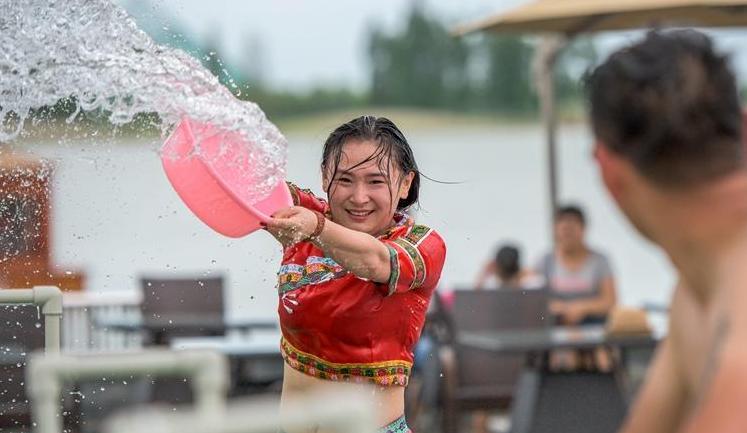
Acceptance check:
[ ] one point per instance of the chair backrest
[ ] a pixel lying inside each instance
(486, 310)
(486, 373)
(169, 296)
(179, 298)
(21, 332)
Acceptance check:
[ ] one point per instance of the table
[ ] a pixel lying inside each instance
(158, 328)
(535, 396)
(552, 338)
(255, 359)
(266, 344)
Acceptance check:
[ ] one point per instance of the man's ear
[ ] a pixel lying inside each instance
(612, 168)
(404, 188)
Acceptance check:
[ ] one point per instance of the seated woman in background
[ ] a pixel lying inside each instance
(504, 271)
(580, 279)
(581, 284)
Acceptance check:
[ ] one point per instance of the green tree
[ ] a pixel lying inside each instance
(508, 84)
(574, 61)
(423, 66)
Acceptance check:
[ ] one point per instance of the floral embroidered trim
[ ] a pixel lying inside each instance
(418, 263)
(397, 426)
(417, 234)
(394, 272)
(384, 373)
(401, 219)
(293, 188)
(316, 270)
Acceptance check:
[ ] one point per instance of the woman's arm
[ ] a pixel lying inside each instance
(358, 252)
(487, 271)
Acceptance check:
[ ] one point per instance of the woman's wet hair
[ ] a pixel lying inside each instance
(507, 262)
(570, 211)
(392, 146)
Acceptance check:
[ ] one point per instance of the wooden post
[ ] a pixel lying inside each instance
(544, 61)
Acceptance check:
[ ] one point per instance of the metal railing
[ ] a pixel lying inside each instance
(49, 301)
(83, 310)
(46, 373)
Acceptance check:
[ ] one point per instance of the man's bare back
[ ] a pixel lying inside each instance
(693, 333)
(693, 371)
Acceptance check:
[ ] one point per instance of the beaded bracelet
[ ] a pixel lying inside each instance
(320, 220)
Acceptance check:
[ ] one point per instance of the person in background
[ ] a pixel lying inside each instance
(504, 272)
(580, 279)
(669, 143)
(581, 285)
(426, 381)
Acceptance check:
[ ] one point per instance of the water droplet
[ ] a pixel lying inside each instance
(96, 73)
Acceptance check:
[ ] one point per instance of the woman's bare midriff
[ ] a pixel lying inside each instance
(389, 401)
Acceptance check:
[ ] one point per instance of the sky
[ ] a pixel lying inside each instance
(300, 44)
(304, 42)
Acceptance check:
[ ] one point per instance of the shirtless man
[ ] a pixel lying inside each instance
(668, 127)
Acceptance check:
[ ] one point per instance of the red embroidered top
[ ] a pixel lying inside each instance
(337, 326)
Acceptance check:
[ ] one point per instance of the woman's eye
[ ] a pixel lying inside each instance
(343, 180)
(376, 182)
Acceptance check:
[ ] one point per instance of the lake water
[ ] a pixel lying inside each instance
(115, 216)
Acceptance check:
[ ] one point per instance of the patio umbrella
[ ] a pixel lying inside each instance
(564, 19)
(571, 17)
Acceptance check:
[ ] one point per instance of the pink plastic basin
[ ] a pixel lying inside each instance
(215, 181)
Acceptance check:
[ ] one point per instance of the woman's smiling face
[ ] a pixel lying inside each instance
(364, 192)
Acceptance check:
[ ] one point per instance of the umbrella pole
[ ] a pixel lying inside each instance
(545, 58)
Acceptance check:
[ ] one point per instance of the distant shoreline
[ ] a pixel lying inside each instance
(409, 119)
(417, 119)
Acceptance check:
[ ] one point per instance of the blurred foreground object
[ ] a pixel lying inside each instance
(332, 413)
(46, 373)
(21, 332)
(49, 301)
(25, 225)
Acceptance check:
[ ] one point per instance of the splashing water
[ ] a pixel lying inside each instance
(93, 51)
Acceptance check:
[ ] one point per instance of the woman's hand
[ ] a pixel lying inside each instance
(571, 313)
(292, 225)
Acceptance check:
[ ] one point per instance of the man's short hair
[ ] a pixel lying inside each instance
(570, 211)
(670, 105)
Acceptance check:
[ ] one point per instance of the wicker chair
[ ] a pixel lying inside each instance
(482, 380)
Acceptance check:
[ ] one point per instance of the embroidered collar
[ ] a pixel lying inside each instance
(401, 219)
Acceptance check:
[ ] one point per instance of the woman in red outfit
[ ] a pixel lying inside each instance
(357, 272)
